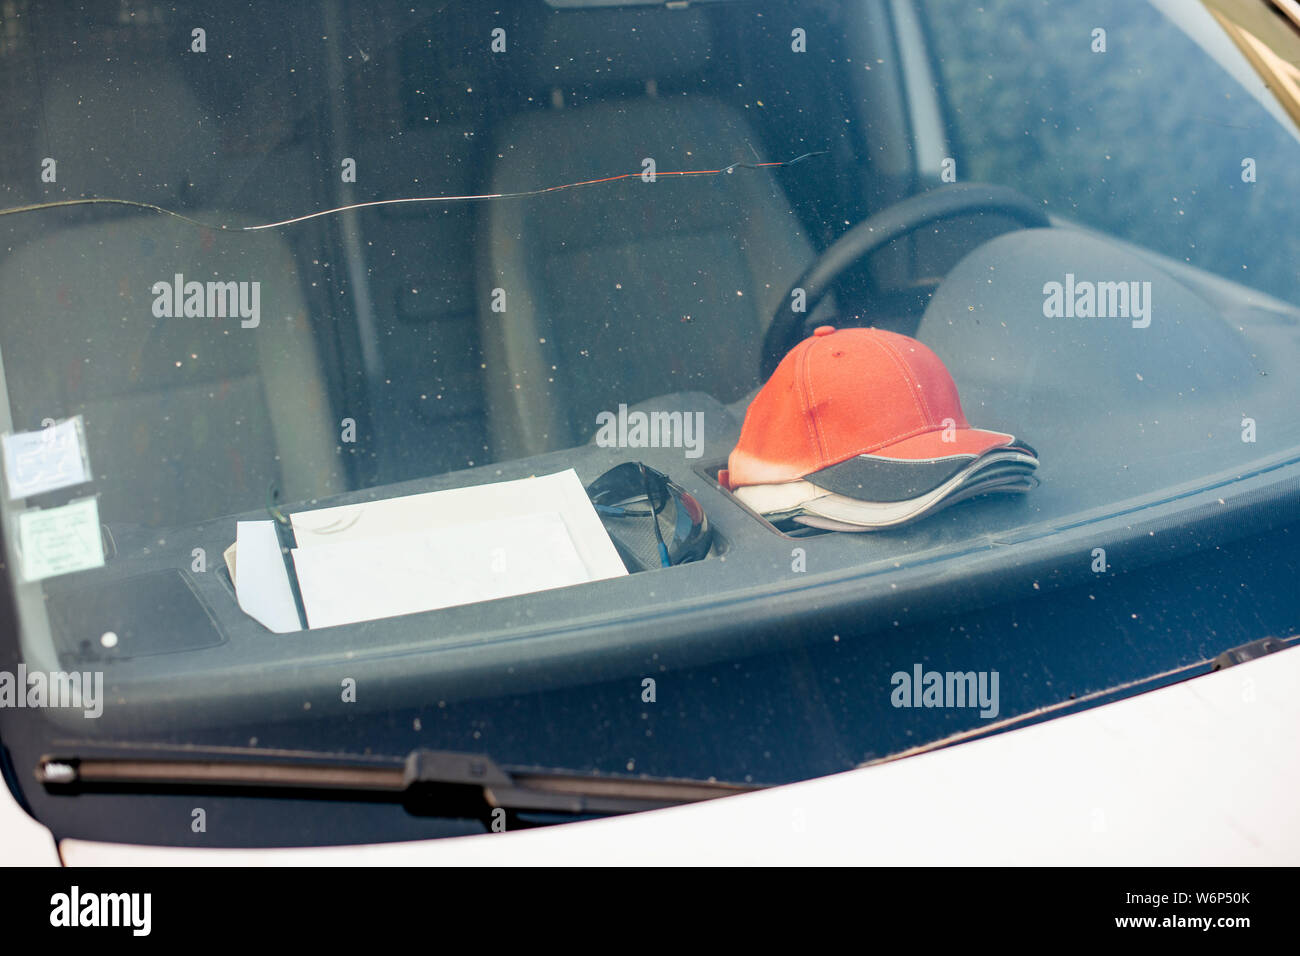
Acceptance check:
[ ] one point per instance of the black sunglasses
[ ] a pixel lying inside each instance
(636, 491)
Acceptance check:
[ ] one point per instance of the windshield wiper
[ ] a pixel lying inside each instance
(428, 782)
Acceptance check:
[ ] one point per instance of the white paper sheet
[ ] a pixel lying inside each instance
(261, 579)
(369, 578)
(561, 493)
(416, 553)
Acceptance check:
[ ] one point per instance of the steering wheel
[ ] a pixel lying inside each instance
(874, 232)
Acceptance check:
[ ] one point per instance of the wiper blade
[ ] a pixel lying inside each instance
(1107, 695)
(428, 782)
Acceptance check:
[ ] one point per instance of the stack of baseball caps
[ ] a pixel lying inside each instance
(861, 429)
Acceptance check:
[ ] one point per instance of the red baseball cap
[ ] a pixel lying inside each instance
(860, 412)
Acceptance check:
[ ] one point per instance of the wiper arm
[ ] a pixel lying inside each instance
(428, 782)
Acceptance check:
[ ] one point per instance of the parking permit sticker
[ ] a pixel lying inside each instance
(60, 540)
(46, 460)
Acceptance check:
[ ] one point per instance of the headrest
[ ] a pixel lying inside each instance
(130, 134)
(608, 47)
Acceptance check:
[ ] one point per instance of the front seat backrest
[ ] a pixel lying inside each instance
(618, 292)
(186, 417)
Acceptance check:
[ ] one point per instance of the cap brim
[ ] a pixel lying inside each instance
(914, 466)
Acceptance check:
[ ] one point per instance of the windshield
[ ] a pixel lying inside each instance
(430, 359)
